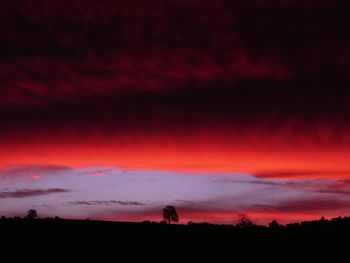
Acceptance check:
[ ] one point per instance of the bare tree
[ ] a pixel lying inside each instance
(170, 214)
(244, 221)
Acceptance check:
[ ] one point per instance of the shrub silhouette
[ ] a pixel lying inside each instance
(170, 214)
(32, 214)
(274, 224)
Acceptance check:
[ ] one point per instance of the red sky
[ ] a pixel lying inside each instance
(253, 87)
(314, 153)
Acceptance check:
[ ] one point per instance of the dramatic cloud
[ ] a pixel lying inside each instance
(151, 65)
(24, 193)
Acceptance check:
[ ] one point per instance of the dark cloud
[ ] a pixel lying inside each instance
(32, 170)
(300, 174)
(24, 193)
(107, 203)
(311, 181)
(118, 66)
(340, 187)
(307, 205)
(254, 182)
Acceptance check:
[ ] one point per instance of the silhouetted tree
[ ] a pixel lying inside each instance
(32, 214)
(244, 221)
(274, 224)
(170, 214)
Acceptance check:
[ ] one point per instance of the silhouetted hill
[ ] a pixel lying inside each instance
(88, 237)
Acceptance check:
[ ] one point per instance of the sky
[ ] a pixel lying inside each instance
(113, 109)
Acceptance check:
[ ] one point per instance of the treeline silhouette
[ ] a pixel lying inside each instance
(170, 214)
(193, 239)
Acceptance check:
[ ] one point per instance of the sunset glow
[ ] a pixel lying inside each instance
(113, 110)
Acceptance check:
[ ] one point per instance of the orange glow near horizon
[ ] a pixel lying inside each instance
(201, 154)
(226, 217)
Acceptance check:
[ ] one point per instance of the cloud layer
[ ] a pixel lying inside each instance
(107, 203)
(139, 195)
(172, 63)
(24, 193)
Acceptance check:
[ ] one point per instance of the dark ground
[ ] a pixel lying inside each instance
(85, 239)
